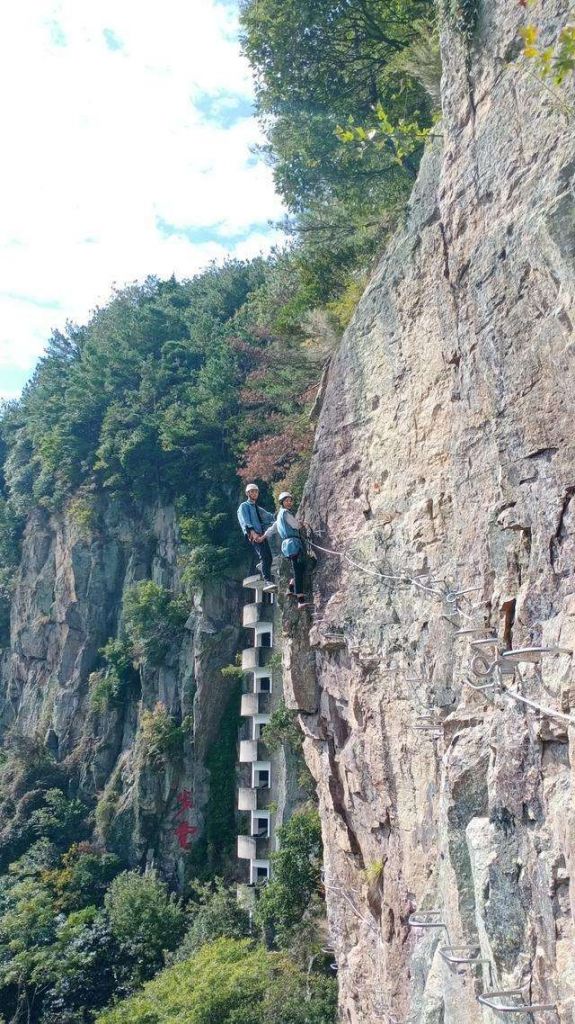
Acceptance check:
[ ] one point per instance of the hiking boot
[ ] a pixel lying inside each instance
(269, 587)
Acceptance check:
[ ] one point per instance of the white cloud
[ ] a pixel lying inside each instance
(102, 143)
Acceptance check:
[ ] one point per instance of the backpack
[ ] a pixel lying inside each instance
(290, 538)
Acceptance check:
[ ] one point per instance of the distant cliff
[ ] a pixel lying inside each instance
(445, 451)
(68, 604)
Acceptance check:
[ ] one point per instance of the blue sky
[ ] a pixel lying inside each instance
(128, 136)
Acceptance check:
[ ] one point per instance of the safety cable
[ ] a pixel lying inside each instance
(394, 578)
(449, 596)
(548, 712)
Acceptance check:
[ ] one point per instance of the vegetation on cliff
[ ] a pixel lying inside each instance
(158, 400)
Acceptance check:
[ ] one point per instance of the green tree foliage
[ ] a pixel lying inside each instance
(230, 982)
(161, 739)
(82, 877)
(119, 680)
(145, 918)
(318, 63)
(214, 854)
(154, 620)
(159, 398)
(214, 913)
(554, 62)
(295, 881)
(282, 728)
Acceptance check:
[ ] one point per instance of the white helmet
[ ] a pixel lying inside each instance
(284, 495)
(251, 487)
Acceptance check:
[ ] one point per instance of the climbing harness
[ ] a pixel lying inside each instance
(289, 536)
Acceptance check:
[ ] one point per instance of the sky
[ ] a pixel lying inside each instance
(127, 135)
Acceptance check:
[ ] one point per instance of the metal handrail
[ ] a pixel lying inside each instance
(468, 955)
(415, 920)
(479, 689)
(470, 630)
(533, 654)
(486, 999)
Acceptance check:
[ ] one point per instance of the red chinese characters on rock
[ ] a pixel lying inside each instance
(184, 801)
(183, 830)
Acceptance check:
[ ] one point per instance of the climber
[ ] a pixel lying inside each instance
(289, 530)
(253, 520)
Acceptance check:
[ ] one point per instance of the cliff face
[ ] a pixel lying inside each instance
(445, 446)
(67, 605)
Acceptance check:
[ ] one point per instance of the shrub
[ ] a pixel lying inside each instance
(374, 873)
(154, 620)
(230, 982)
(215, 914)
(82, 513)
(104, 690)
(82, 878)
(61, 820)
(234, 671)
(161, 739)
(206, 562)
(282, 729)
(295, 876)
(145, 918)
(109, 687)
(107, 806)
(343, 308)
(422, 60)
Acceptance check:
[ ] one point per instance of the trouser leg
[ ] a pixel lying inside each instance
(265, 556)
(298, 573)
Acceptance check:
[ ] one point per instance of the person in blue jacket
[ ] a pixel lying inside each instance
(253, 520)
(289, 531)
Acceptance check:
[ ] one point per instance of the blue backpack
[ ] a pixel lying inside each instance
(291, 543)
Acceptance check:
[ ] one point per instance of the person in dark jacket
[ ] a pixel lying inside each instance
(288, 529)
(254, 520)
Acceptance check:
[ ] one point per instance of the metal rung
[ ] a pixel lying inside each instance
(426, 919)
(487, 999)
(489, 641)
(479, 689)
(425, 723)
(533, 654)
(462, 955)
(452, 595)
(472, 629)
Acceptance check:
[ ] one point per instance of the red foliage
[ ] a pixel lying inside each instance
(270, 457)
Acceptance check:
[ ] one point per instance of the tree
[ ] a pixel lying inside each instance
(317, 63)
(215, 913)
(144, 918)
(230, 982)
(295, 876)
(154, 620)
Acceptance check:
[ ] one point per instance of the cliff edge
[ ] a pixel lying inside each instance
(444, 455)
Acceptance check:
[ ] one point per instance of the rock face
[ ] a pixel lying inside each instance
(445, 452)
(68, 604)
